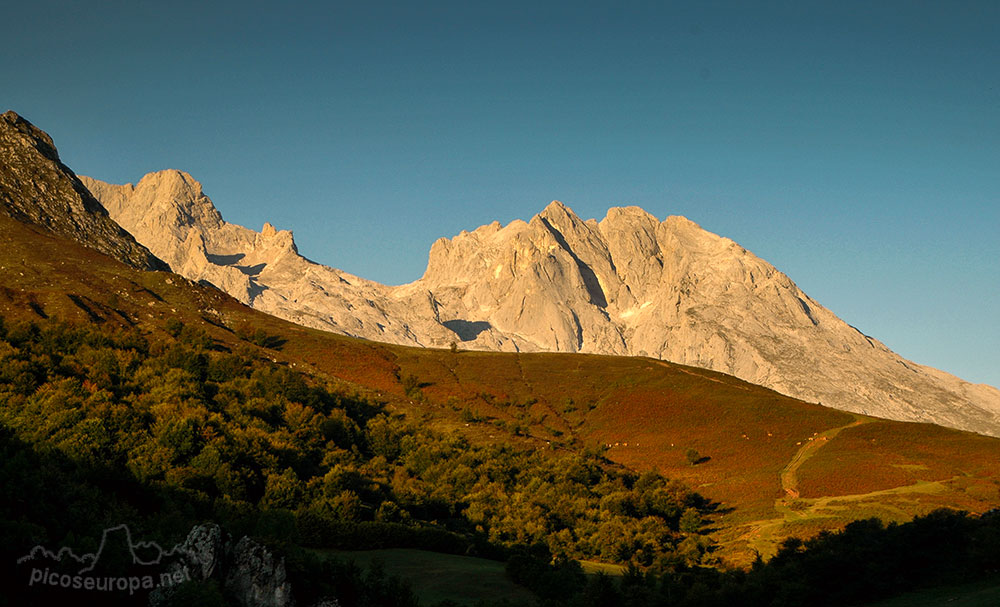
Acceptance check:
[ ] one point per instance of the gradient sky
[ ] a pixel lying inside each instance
(856, 146)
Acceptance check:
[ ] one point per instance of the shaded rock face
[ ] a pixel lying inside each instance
(629, 284)
(36, 188)
(250, 573)
(203, 550)
(256, 578)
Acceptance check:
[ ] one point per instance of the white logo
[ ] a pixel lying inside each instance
(142, 553)
(89, 560)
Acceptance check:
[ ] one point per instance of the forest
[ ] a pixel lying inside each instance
(104, 428)
(169, 429)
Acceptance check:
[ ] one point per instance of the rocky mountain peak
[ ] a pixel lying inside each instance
(273, 238)
(37, 188)
(631, 216)
(629, 284)
(182, 190)
(560, 218)
(30, 135)
(556, 211)
(173, 196)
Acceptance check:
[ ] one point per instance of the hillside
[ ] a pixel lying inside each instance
(642, 413)
(783, 466)
(168, 402)
(629, 284)
(161, 404)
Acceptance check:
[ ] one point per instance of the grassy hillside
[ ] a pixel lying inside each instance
(779, 467)
(979, 594)
(437, 577)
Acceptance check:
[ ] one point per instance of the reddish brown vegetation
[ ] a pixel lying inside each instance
(644, 414)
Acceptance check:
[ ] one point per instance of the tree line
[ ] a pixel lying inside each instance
(168, 429)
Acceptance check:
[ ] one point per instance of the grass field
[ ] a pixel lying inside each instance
(980, 594)
(594, 568)
(436, 577)
(883, 455)
(778, 467)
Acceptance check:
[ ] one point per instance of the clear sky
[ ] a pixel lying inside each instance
(854, 145)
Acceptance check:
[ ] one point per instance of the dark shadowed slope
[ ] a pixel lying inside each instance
(37, 188)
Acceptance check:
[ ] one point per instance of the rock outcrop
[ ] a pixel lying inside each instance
(256, 577)
(629, 284)
(249, 572)
(36, 188)
(263, 269)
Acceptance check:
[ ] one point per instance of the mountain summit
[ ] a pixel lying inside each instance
(37, 188)
(629, 284)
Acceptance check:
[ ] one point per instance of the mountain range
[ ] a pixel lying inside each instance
(778, 467)
(628, 284)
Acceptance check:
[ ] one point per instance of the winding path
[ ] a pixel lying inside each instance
(789, 479)
(760, 532)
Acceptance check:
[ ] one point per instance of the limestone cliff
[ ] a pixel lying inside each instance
(169, 212)
(629, 284)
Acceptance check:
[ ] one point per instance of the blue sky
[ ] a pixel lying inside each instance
(853, 145)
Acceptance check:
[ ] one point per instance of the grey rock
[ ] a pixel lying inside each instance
(247, 569)
(202, 555)
(203, 550)
(257, 578)
(629, 284)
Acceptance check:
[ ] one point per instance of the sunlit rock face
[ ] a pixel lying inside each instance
(628, 284)
(263, 269)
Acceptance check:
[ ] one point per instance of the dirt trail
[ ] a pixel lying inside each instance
(789, 480)
(760, 535)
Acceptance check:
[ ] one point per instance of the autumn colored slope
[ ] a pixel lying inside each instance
(778, 466)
